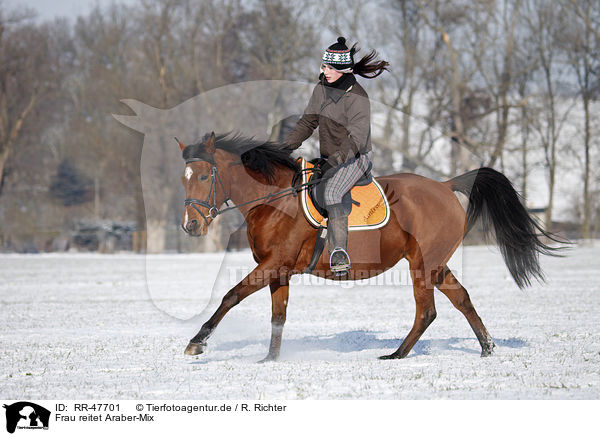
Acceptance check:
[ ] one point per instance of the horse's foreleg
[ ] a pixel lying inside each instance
(425, 312)
(459, 297)
(260, 277)
(279, 300)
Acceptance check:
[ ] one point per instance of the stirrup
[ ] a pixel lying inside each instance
(342, 261)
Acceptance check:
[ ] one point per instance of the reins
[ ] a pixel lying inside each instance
(214, 211)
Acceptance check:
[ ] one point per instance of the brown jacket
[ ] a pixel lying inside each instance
(344, 120)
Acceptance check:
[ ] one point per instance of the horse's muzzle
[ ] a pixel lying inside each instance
(195, 228)
(191, 226)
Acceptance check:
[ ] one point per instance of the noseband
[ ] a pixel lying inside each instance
(213, 209)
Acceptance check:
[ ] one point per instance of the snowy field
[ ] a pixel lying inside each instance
(87, 326)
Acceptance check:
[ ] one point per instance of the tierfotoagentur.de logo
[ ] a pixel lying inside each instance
(26, 416)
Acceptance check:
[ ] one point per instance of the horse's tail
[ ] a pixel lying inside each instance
(493, 197)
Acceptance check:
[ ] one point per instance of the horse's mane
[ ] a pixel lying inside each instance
(259, 156)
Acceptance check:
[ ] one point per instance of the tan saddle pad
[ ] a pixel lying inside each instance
(372, 213)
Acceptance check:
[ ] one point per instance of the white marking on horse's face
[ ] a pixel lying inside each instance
(186, 219)
(189, 172)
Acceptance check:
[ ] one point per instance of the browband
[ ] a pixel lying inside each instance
(208, 158)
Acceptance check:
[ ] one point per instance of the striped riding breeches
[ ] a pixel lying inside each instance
(344, 178)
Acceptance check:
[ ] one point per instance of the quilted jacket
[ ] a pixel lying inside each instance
(343, 115)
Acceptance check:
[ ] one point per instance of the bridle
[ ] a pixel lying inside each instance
(213, 209)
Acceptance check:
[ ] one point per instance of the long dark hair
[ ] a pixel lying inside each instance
(368, 66)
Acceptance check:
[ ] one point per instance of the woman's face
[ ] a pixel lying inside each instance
(331, 75)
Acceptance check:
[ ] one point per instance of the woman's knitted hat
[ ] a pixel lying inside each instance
(339, 56)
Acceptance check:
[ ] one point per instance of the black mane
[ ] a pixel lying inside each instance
(258, 156)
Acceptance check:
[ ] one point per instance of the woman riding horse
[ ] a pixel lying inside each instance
(426, 226)
(340, 107)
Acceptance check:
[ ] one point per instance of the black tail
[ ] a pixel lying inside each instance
(493, 197)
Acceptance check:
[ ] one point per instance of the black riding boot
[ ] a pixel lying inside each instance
(337, 232)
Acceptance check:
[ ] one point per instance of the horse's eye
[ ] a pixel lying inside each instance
(202, 178)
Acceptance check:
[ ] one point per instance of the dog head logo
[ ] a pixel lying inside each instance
(26, 415)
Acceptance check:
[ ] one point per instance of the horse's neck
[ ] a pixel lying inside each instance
(246, 186)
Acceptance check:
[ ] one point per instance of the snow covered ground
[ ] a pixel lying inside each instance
(90, 326)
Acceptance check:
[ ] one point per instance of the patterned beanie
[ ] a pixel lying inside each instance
(339, 56)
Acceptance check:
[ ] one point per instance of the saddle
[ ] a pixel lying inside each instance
(366, 202)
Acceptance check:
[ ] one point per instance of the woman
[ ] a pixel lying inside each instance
(340, 107)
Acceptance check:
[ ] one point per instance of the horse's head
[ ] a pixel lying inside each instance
(204, 188)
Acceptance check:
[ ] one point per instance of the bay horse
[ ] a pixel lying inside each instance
(427, 224)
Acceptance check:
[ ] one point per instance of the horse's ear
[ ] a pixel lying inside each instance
(182, 146)
(210, 144)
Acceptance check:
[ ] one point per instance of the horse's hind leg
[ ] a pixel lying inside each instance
(279, 300)
(459, 297)
(425, 314)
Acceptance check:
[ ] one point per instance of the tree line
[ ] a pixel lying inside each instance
(512, 84)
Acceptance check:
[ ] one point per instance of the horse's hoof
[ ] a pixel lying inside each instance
(269, 358)
(193, 349)
(390, 357)
(488, 351)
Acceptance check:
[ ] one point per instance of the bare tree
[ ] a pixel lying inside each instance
(278, 40)
(463, 29)
(545, 21)
(581, 43)
(209, 44)
(26, 76)
(103, 44)
(409, 58)
(499, 64)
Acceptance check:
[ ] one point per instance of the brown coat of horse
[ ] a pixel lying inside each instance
(426, 226)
